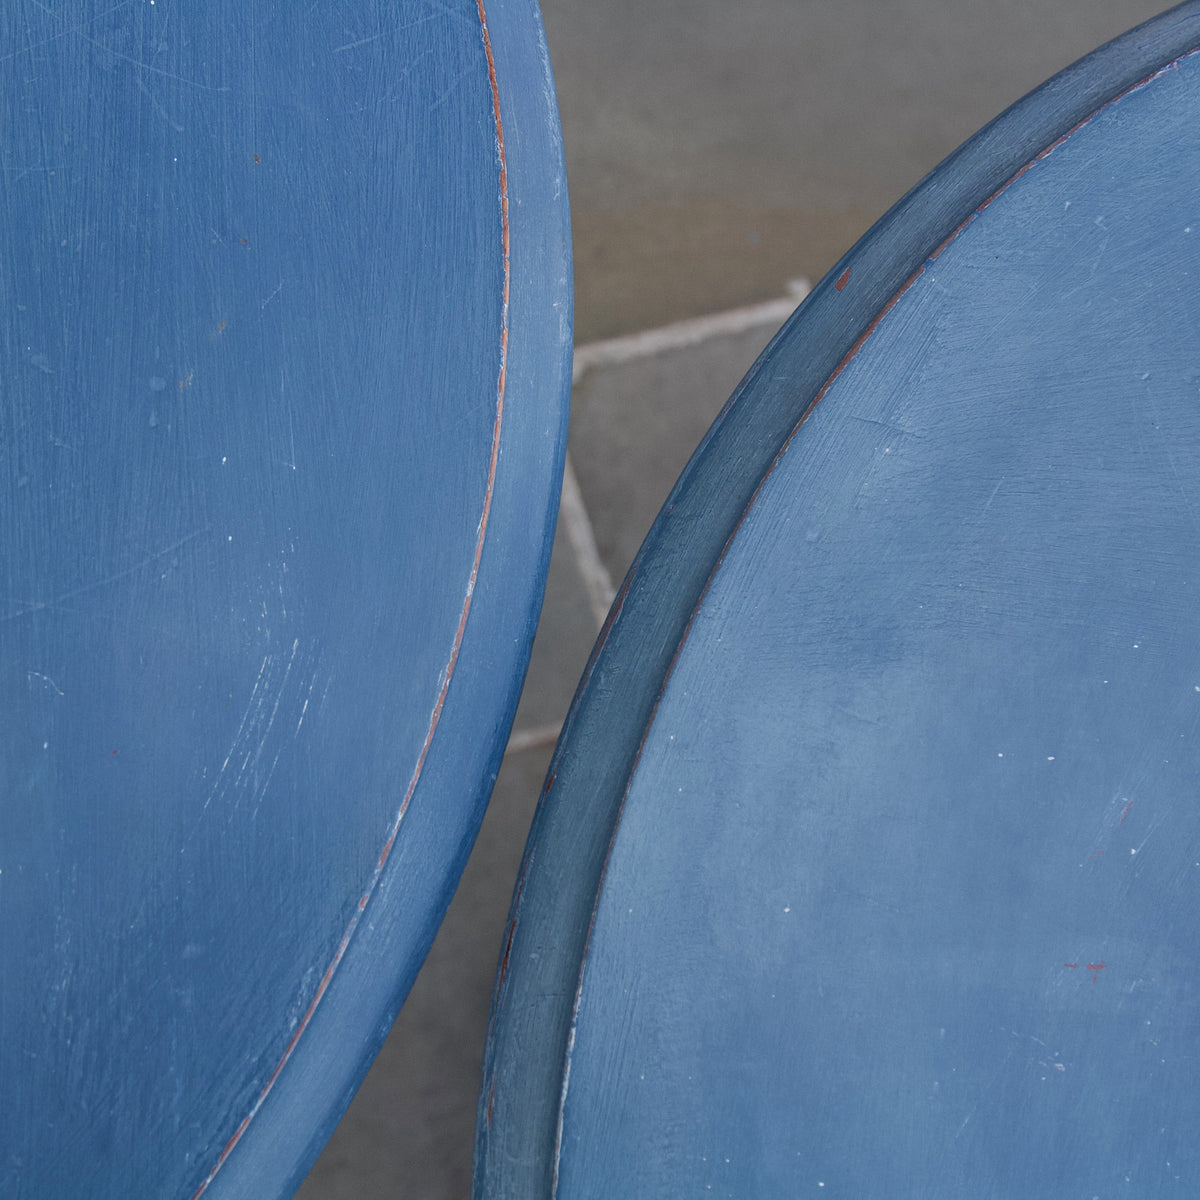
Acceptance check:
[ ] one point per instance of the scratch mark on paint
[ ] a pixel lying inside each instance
(304, 707)
(995, 491)
(883, 425)
(449, 89)
(354, 45)
(62, 33)
(374, 37)
(32, 675)
(1095, 968)
(264, 732)
(30, 608)
(137, 62)
(251, 706)
(843, 279)
(287, 407)
(162, 112)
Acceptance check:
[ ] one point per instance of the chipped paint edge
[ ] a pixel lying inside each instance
(448, 671)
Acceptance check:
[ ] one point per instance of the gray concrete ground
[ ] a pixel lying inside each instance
(715, 151)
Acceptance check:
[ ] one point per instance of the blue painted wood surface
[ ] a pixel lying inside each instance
(869, 860)
(286, 337)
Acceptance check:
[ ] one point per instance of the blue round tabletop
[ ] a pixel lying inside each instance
(869, 862)
(286, 335)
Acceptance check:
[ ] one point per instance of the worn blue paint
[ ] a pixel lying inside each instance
(868, 862)
(285, 336)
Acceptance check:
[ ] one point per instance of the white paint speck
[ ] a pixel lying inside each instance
(1050, 758)
(999, 755)
(1133, 851)
(1137, 645)
(229, 538)
(45, 745)
(787, 908)
(224, 459)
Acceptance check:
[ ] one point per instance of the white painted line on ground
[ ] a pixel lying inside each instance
(596, 581)
(686, 333)
(532, 739)
(582, 536)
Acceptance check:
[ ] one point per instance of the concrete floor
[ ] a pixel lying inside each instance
(715, 152)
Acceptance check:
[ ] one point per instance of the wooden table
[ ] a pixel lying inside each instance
(869, 861)
(285, 335)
